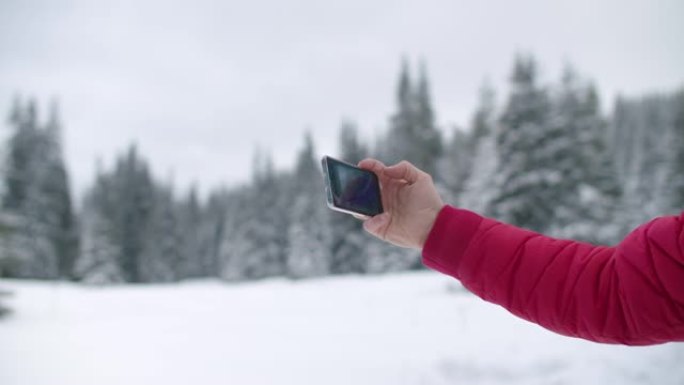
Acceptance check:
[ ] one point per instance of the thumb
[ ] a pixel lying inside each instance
(377, 225)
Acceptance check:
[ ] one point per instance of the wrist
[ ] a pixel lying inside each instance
(430, 218)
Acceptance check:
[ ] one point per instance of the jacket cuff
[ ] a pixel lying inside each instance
(449, 238)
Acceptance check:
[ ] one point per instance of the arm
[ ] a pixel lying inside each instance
(631, 294)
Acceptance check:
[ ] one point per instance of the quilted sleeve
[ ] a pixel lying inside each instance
(631, 294)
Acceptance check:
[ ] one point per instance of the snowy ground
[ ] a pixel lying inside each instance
(416, 328)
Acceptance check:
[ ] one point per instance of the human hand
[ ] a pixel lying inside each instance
(410, 201)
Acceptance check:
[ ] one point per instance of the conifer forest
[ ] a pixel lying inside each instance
(552, 157)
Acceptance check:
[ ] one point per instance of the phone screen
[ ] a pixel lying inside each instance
(353, 188)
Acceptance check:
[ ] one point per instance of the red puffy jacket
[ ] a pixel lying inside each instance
(631, 294)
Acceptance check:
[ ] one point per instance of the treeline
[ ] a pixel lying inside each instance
(546, 159)
(40, 237)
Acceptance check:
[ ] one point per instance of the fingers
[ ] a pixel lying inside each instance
(377, 225)
(403, 170)
(373, 165)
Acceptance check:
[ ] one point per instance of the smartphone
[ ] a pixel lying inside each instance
(350, 189)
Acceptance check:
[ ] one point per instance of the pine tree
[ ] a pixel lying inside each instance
(347, 238)
(190, 218)
(525, 148)
(676, 164)
(621, 142)
(413, 135)
(6, 228)
(400, 143)
(642, 131)
(651, 170)
(480, 183)
(214, 225)
(38, 192)
(162, 257)
(255, 236)
(22, 150)
(275, 194)
(123, 224)
(14, 173)
(429, 137)
(55, 183)
(308, 234)
(118, 223)
(135, 194)
(627, 152)
(22, 146)
(98, 261)
(458, 162)
(8, 225)
(238, 239)
(585, 195)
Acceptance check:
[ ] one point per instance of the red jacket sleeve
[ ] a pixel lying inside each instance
(631, 294)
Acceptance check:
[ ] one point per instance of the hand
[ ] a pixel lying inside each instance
(411, 204)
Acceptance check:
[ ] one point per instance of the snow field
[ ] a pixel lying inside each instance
(412, 328)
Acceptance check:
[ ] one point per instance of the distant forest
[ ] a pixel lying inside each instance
(546, 158)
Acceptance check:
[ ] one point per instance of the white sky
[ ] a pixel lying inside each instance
(198, 84)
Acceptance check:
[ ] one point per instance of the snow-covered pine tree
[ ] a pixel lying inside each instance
(274, 193)
(191, 243)
(656, 128)
(642, 132)
(122, 203)
(399, 143)
(26, 245)
(347, 238)
(55, 184)
(480, 186)
(413, 135)
(586, 195)
(6, 228)
(38, 192)
(455, 166)
(130, 227)
(620, 139)
(675, 178)
(309, 231)
(162, 258)
(20, 146)
(98, 261)
(255, 236)
(213, 227)
(428, 135)
(626, 149)
(526, 149)
(134, 189)
(8, 225)
(237, 241)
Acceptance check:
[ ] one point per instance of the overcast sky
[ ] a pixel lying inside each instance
(198, 84)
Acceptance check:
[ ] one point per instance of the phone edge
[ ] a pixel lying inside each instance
(328, 192)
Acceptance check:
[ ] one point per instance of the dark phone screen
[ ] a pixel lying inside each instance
(354, 189)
